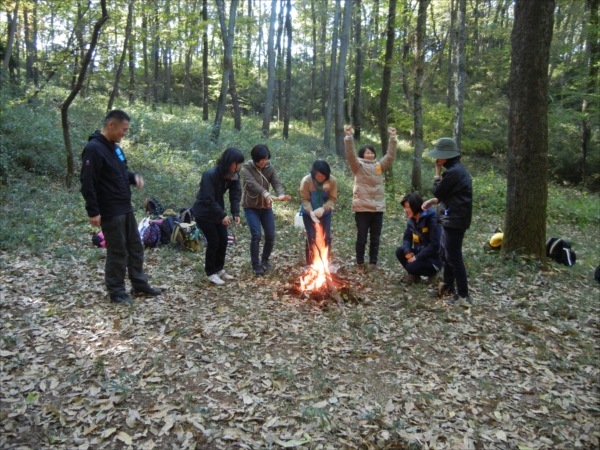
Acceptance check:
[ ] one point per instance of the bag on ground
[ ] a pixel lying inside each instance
(149, 232)
(154, 208)
(187, 236)
(560, 251)
(98, 240)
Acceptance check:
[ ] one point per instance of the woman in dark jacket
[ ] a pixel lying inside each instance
(258, 174)
(209, 210)
(420, 251)
(453, 192)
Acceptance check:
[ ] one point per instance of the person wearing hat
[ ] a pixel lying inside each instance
(106, 187)
(453, 192)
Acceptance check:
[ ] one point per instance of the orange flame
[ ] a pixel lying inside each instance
(316, 275)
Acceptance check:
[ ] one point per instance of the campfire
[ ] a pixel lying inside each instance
(319, 282)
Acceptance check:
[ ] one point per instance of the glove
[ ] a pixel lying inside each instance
(319, 212)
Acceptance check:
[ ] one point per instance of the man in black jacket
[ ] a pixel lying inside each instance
(453, 191)
(105, 186)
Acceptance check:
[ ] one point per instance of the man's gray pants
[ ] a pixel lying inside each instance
(124, 252)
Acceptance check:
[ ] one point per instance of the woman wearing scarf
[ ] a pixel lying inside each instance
(318, 192)
(210, 214)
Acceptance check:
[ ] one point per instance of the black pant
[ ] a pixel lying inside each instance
(368, 222)
(216, 246)
(454, 266)
(124, 252)
(419, 267)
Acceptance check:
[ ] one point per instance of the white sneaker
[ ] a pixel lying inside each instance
(214, 278)
(225, 276)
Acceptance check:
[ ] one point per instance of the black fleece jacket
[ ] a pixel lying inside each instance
(455, 194)
(105, 179)
(209, 205)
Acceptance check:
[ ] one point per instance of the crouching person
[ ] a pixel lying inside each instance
(420, 251)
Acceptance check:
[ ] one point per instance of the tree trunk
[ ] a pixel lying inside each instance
(131, 52)
(12, 27)
(249, 39)
(167, 56)
(279, 71)
(288, 72)
(386, 83)
(460, 74)
(115, 89)
(237, 117)
(205, 61)
(375, 54)
(418, 102)
(452, 34)
(327, 135)
(155, 54)
(227, 63)
(323, 61)
(64, 108)
(271, 69)
(341, 75)
(404, 65)
(593, 44)
(145, 55)
(527, 170)
(356, 110)
(28, 46)
(313, 69)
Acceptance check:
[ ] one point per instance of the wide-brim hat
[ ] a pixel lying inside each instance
(169, 212)
(445, 148)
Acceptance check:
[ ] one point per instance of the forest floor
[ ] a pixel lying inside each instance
(250, 365)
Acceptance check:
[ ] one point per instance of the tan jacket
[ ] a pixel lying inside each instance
(256, 185)
(308, 190)
(368, 194)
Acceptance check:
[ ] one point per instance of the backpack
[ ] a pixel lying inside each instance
(187, 236)
(149, 232)
(186, 215)
(166, 226)
(560, 251)
(153, 207)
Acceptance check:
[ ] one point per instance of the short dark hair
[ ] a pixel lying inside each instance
(320, 166)
(414, 201)
(260, 152)
(116, 115)
(363, 149)
(229, 156)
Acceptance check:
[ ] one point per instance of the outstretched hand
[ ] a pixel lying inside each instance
(392, 131)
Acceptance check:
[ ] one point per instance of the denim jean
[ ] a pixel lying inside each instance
(419, 267)
(216, 246)
(311, 233)
(368, 222)
(124, 252)
(454, 266)
(257, 218)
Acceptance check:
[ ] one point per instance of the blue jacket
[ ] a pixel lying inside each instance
(210, 205)
(422, 237)
(455, 194)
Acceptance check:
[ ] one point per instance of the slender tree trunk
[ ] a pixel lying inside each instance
(386, 83)
(131, 52)
(280, 69)
(227, 35)
(288, 72)
(527, 171)
(167, 56)
(249, 39)
(461, 73)
(588, 109)
(28, 47)
(115, 89)
(418, 102)
(453, 33)
(341, 75)
(332, 87)
(313, 69)
(205, 61)
(271, 70)
(237, 117)
(12, 27)
(356, 111)
(64, 108)
(404, 65)
(476, 34)
(323, 60)
(375, 54)
(145, 55)
(155, 54)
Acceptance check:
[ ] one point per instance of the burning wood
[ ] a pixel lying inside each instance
(317, 281)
